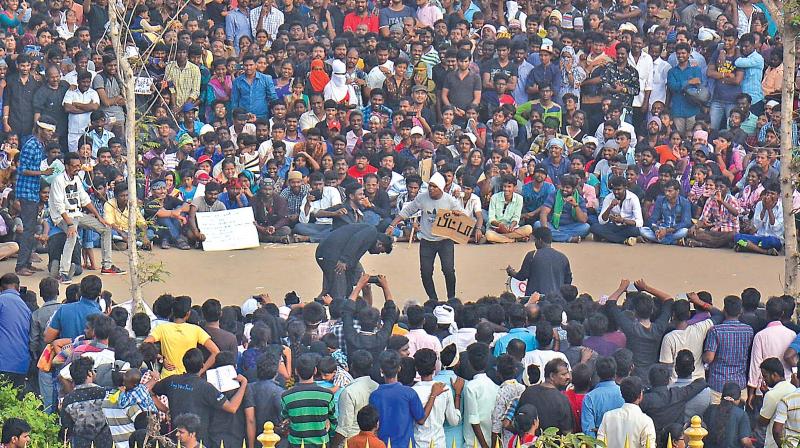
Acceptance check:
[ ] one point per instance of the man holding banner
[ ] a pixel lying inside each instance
(441, 215)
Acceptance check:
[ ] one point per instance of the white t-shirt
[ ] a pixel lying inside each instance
(541, 358)
(79, 122)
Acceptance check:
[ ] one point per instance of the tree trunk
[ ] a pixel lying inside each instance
(128, 80)
(791, 284)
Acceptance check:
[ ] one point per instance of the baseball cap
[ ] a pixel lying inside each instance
(204, 158)
(416, 130)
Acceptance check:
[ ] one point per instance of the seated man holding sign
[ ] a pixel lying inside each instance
(505, 210)
(430, 203)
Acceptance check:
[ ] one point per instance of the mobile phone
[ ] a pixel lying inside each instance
(374, 279)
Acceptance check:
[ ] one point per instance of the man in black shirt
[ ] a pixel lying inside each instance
(557, 411)
(545, 269)
(49, 100)
(191, 393)
(18, 99)
(338, 256)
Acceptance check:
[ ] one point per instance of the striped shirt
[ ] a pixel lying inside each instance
(730, 341)
(788, 413)
(120, 419)
(309, 408)
(30, 159)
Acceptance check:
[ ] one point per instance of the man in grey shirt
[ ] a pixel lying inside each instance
(430, 245)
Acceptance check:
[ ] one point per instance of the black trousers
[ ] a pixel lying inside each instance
(29, 211)
(339, 286)
(427, 254)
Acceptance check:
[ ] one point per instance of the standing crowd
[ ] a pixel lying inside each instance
(630, 368)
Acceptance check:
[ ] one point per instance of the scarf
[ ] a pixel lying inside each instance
(318, 77)
(558, 207)
(337, 89)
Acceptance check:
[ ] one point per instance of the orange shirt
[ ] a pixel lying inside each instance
(364, 439)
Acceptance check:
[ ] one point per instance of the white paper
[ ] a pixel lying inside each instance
(223, 378)
(143, 85)
(228, 230)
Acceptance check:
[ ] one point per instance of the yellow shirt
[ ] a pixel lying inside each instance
(176, 340)
(119, 219)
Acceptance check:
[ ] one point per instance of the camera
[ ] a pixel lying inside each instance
(374, 279)
(316, 195)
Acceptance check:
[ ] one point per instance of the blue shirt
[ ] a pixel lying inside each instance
(555, 172)
(546, 75)
(452, 434)
(15, 327)
(30, 159)
(231, 203)
(70, 319)
(605, 397)
(677, 217)
(237, 24)
(677, 80)
(515, 333)
(753, 66)
(254, 97)
(533, 199)
(399, 408)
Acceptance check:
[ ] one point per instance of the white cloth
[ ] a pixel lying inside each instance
(443, 409)
(623, 126)
(540, 358)
(463, 338)
(630, 208)
(691, 339)
(645, 68)
(660, 70)
(330, 197)
(79, 122)
(337, 88)
(627, 422)
(480, 394)
(376, 78)
(67, 195)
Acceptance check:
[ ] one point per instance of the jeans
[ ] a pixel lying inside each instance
(315, 231)
(339, 286)
(684, 124)
(170, 228)
(719, 114)
(614, 233)
(650, 235)
(90, 222)
(47, 391)
(764, 242)
(29, 212)
(565, 232)
(427, 254)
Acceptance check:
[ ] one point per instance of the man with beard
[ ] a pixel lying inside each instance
(272, 214)
(339, 255)
(360, 16)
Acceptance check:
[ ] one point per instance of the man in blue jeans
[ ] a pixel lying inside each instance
(168, 212)
(671, 218)
(564, 212)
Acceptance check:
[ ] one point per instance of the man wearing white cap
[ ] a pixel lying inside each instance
(430, 245)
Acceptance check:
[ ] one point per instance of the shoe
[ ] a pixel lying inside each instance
(113, 270)
(575, 239)
(301, 239)
(65, 279)
(148, 246)
(164, 244)
(25, 272)
(34, 268)
(183, 245)
(36, 258)
(286, 239)
(774, 252)
(631, 241)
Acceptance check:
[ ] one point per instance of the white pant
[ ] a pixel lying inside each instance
(88, 222)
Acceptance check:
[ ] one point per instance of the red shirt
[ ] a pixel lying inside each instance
(353, 20)
(359, 175)
(575, 402)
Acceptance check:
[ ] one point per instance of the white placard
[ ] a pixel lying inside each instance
(143, 85)
(228, 230)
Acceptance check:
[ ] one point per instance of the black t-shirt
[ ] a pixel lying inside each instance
(230, 428)
(553, 406)
(493, 68)
(214, 12)
(153, 205)
(97, 19)
(190, 393)
(47, 101)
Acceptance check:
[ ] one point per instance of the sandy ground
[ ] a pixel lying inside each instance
(597, 267)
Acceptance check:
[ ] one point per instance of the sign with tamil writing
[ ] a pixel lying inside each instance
(228, 229)
(457, 228)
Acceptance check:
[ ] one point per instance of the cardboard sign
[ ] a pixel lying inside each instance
(228, 230)
(142, 85)
(456, 228)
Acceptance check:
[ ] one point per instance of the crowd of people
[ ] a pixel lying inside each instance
(630, 368)
(351, 124)
(619, 122)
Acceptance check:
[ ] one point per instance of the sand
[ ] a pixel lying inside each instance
(597, 268)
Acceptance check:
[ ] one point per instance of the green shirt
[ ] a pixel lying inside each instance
(502, 212)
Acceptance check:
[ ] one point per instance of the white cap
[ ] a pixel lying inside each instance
(771, 103)
(437, 180)
(249, 306)
(590, 139)
(416, 130)
(206, 129)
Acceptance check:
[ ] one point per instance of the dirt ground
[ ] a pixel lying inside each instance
(597, 268)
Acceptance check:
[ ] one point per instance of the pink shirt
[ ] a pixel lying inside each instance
(418, 339)
(770, 342)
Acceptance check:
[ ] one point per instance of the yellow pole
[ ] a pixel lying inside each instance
(695, 433)
(268, 438)
(627, 442)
